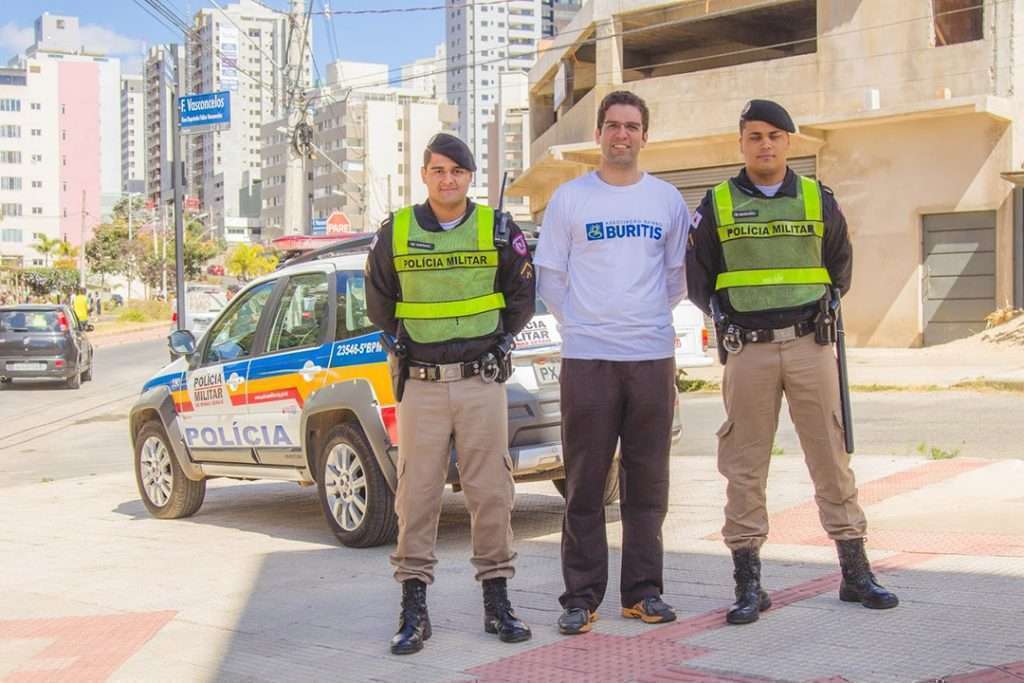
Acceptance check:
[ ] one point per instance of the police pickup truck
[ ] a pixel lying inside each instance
(291, 383)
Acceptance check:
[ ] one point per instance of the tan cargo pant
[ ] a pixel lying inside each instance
(429, 416)
(752, 387)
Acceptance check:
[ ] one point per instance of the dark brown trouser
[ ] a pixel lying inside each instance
(631, 402)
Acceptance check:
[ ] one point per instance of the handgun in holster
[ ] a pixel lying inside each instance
(398, 363)
(721, 324)
(825, 323)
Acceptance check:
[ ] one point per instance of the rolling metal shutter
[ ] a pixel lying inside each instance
(959, 287)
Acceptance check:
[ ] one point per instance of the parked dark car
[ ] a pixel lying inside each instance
(44, 341)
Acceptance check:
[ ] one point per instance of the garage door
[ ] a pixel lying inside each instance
(959, 274)
(694, 183)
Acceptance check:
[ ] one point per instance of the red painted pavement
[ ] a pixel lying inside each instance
(81, 648)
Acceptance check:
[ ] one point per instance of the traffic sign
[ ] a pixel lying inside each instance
(204, 112)
(318, 226)
(338, 222)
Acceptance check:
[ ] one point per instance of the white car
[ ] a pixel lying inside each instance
(202, 305)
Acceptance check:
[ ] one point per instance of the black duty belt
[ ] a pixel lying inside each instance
(446, 372)
(782, 334)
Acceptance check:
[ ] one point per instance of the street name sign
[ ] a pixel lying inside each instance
(204, 112)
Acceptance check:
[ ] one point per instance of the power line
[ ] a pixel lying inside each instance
(407, 10)
(593, 40)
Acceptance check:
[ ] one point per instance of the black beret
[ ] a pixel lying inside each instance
(453, 148)
(769, 112)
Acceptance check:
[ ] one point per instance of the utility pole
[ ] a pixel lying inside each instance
(179, 222)
(296, 214)
(81, 246)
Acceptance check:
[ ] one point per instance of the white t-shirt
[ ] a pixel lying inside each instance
(617, 245)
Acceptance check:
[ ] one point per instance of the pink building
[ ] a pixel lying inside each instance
(60, 119)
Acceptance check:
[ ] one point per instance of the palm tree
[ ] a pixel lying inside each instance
(46, 246)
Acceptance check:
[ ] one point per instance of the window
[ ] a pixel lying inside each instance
(10, 183)
(36, 132)
(10, 235)
(957, 21)
(37, 211)
(10, 157)
(10, 209)
(36, 158)
(233, 335)
(10, 104)
(302, 314)
(36, 106)
(38, 184)
(352, 318)
(10, 131)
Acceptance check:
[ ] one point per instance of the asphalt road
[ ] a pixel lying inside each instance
(50, 433)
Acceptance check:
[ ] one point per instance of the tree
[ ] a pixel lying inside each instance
(247, 261)
(46, 246)
(108, 252)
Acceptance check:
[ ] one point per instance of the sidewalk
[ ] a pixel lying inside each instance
(254, 588)
(938, 366)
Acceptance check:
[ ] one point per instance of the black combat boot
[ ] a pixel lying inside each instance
(498, 615)
(751, 599)
(414, 622)
(859, 584)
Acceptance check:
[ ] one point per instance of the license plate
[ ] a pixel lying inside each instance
(547, 371)
(26, 366)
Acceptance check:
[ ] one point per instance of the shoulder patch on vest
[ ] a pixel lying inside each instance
(421, 245)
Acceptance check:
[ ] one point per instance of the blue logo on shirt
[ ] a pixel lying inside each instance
(622, 230)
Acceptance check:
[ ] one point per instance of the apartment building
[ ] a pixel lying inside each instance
(242, 49)
(428, 75)
(485, 41)
(908, 110)
(557, 14)
(164, 77)
(508, 144)
(369, 146)
(60, 140)
(133, 134)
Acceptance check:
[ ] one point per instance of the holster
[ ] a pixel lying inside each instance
(497, 364)
(824, 324)
(398, 364)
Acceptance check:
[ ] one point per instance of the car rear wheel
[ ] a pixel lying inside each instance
(611, 486)
(356, 499)
(166, 492)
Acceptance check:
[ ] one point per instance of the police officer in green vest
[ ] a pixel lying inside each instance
(764, 251)
(452, 283)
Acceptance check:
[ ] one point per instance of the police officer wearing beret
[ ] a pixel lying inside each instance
(451, 282)
(766, 248)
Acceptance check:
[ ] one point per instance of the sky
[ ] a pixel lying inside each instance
(122, 29)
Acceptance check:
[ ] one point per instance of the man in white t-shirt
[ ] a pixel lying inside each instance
(611, 258)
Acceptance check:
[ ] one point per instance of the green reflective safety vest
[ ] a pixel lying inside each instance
(772, 248)
(448, 278)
